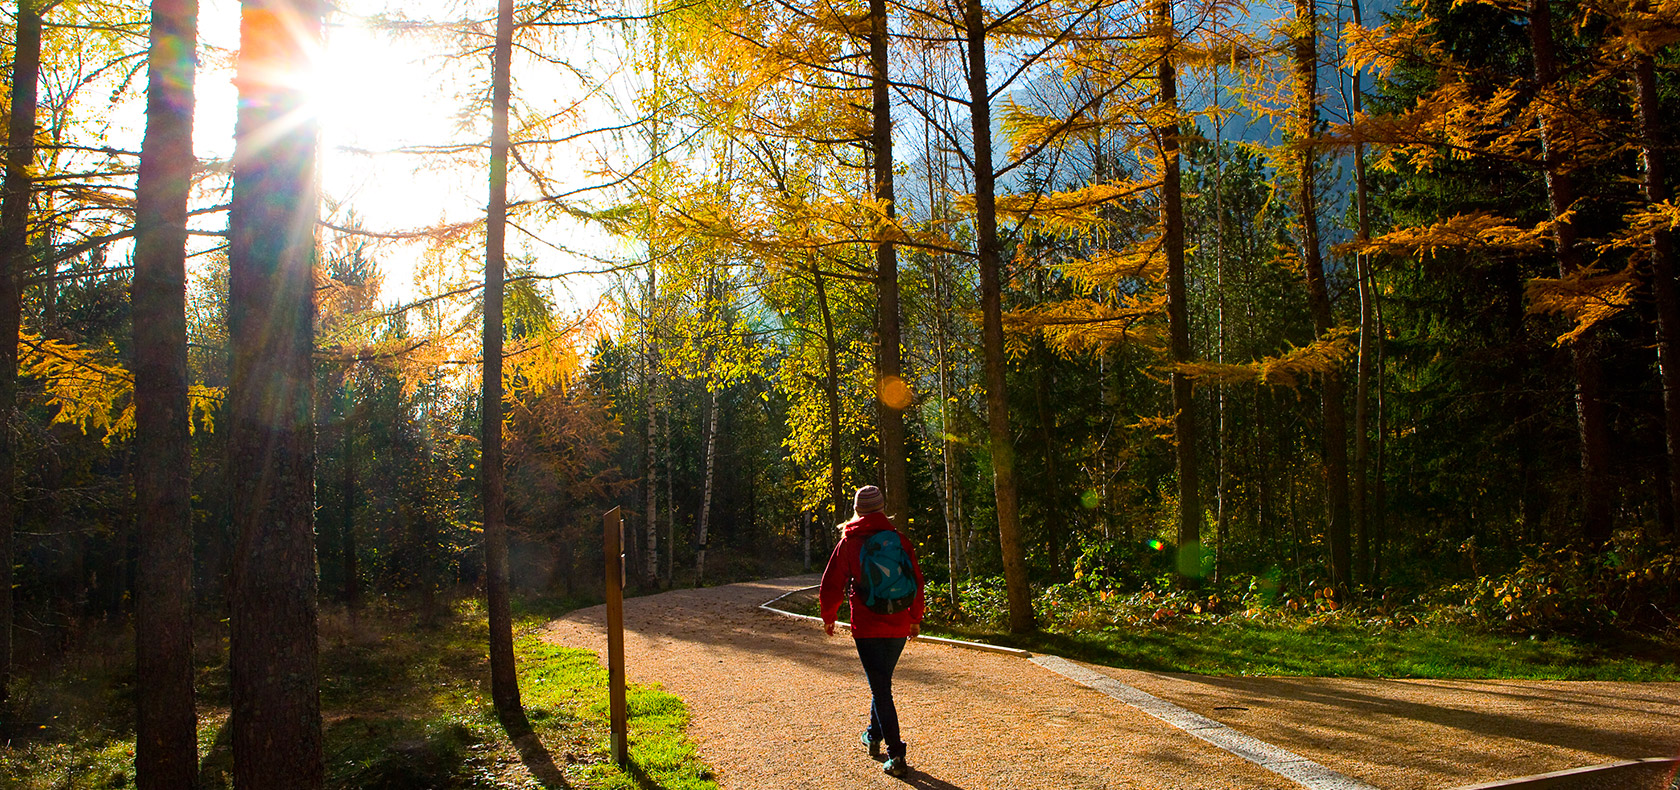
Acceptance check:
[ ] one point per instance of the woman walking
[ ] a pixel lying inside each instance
(878, 566)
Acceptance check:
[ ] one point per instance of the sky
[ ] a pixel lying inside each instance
(375, 94)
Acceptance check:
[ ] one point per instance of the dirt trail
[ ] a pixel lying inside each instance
(776, 704)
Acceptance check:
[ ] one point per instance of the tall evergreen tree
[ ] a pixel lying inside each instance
(273, 647)
(166, 747)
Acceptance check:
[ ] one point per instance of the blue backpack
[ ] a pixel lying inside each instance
(889, 581)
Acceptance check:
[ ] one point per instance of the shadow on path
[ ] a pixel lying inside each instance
(922, 781)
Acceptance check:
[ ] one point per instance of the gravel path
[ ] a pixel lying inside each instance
(776, 704)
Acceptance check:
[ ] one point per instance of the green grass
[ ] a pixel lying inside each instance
(1337, 650)
(403, 707)
(1325, 646)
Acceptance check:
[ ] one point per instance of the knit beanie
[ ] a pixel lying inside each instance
(869, 500)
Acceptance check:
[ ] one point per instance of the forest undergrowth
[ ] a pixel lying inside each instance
(405, 704)
(1554, 614)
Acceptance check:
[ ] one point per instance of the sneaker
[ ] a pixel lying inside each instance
(895, 766)
(872, 744)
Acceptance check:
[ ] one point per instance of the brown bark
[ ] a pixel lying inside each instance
(166, 727)
(1004, 484)
(1592, 425)
(831, 391)
(650, 374)
(347, 532)
(1362, 386)
(15, 194)
(271, 225)
(889, 366)
(1318, 295)
(1663, 291)
(1178, 314)
(504, 681)
(1055, 525)
(706, 488)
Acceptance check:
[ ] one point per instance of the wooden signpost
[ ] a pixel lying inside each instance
(614, 550)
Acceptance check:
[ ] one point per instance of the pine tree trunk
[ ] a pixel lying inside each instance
(1591, 422)
(650, 373)
(1178, 314)
(891, 390)
(1663, 291)
(1004, 482)
(273, 655)
(706, 490)
(504, 680)
(1318, 294)
(1362, 387)
(831, 391)
(15, 193)
(166, 725)
(1054, 524)
(347, 532)
(955, 552)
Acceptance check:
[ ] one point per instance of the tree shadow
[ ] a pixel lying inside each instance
(532, 752)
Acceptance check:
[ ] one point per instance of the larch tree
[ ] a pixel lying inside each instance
(273, 648)
(1303, 160)
(504, 679)
(166, 746)
(892, 395)
(16, 193)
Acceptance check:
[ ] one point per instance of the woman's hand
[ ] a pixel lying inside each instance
(915, 630)
(828, 627)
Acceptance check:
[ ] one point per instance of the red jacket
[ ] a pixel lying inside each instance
(843, 572)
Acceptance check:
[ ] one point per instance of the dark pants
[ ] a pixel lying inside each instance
(879, 656)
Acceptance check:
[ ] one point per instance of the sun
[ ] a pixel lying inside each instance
(373, 92)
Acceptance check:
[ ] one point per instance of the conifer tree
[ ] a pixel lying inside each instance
(504, 680)
(15, 195)
(166, 746)
(273, 647)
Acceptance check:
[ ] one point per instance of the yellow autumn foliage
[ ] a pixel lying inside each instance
(94, 392)
(1083, 326)
(1586, 297)
(1477, 229)
(1064, 213)
(1291, 369)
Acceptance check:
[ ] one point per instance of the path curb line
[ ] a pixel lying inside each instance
(938, 640)
(1276, 759)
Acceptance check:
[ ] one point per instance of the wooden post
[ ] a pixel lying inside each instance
(613, 542)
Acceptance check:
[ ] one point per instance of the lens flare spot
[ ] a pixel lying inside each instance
(895, 393)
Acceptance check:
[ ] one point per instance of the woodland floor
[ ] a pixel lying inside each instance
(776, 704)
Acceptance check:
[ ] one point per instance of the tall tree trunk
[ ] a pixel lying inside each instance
(166, 726)
(670, 502)
(955, 551)
(1004, 483)
(1178, 312)
(271, 252)
(1362, 387)
(1318, 295)
(1648, 111)
(15, 193)
(831, 391)
(352, 592)
(504, 681)
(1591, 422)
(650, 374)
(1055, 527)
(892, 395)
(706, 489)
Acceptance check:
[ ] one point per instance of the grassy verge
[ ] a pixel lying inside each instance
(1278, 643)
(404, 706)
